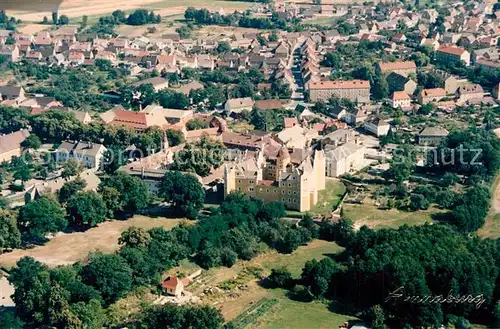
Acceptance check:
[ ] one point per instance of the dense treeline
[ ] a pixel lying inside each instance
(386, 266)
(205, 17)
(57, 126)
(78, 294)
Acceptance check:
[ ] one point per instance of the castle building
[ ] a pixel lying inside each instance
(291, 180)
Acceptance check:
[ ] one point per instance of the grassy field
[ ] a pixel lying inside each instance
(72, 247)
(283, 312)
(373, 217)
(289, 314)
(318, 249)
(329, 198)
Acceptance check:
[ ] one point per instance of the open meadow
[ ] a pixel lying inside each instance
(68, 248)
(257, 307)
(376, 218)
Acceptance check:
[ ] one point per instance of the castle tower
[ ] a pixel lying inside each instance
(282, 160)
(320, 169)
(229, 180)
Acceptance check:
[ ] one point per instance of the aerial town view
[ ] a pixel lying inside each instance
(257, 164)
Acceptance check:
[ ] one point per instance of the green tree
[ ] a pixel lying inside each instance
(120, 16)
(112, 198)
(134, 193)
(91, 314)
(32, 142)
(45, 20)
(200, 157)
(418, 202)
(186, 316)
(70, 189)
(174, 137)
(280, 277)
(10, 237)
(54, 17)
(42, 216)
(375, 317)
(197, 123)
(223, 47)
(23, 173)
(183, 191)
(8, 320)
(71, 167)
(63, 20)
(402, 164)
(85, 20)
(31, 282)
(135, 237)
(86, 209)
(109, 274)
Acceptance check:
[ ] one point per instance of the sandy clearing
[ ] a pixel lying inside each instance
(6, 290)
(69, 248)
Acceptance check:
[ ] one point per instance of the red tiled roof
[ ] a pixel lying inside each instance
(390, 66)
(457, 51)
(399, 95)
(171, 282)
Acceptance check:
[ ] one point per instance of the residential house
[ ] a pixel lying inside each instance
(356, 117)
(431, 95)
(10, 144)
(354, 90)
(431, 135)
(376, 126)
(237, 105)
(158, 83)
(403, 68)
(400, 99)
(469, 92)
(297, 136)
(90, 154)
(52, 186)
(268, 104)
(12, 93)
(10, 52)
(446, 54)
(338, 137)
(398, 82)
(451, 84)
(173, 286)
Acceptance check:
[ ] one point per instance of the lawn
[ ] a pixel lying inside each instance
(284, 313)
(68, 248)
(289, 314)
(329, 198)
(318, 249)
(373, 217)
